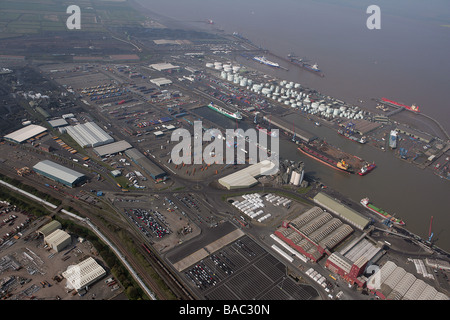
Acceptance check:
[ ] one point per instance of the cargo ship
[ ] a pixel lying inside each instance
(366, 169)
(299, 62)
(268, 132)
(263, 60)
(233, 115)
(311, 152)
(412, 107)
(383, 214)
(361, 140)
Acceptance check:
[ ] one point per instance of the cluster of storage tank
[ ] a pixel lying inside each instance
(236, 79)
(330, 111)
(226, 67)
(251, 206)
(290, 94)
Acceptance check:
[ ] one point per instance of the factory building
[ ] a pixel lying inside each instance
(89, 135)
(349, 215)
(314, 233)
(49, 228)
(146, 164)
(351, 262)
(112, 148)
(25, 133)
(58, 240)
(83, 274)
(59, 173)
(392, 282)
(247, 177)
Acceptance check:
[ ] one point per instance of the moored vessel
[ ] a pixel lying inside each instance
(299, 62)
(380, 212)
(311, 152)
(412, 107)
(352, 137)
(263, 60)
(233, 115)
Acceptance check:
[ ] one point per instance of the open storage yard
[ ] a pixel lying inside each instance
(243, 270)
(30, 269)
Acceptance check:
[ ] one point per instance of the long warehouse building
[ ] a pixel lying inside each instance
(349, 215)
(25, 133)
(112, 148)
(59, 173)
(89, 134)
(290, 128)
(145, 163)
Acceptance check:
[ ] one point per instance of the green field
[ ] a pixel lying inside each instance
(36, 16)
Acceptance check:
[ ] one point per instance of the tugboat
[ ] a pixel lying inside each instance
(366, 169)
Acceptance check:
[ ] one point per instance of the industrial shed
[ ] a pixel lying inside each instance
(163, 66)
(161, 82)
(58, 123)
(58, 240)
(25, 133)
(49, 228)
(314, 233)
(149, 167)
(112, 148)
(83, 274)
(59, 173)
(246, 178)
(347, 214)
(392, 282)
(89, 134)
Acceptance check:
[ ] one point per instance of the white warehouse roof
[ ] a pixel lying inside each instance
(247, 177)
(57, 123)
(163, 66)
(84, 273)
(161, 81)
(25, 133)
(112, 148)
(89, 135)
